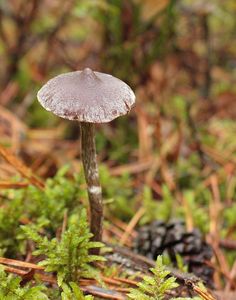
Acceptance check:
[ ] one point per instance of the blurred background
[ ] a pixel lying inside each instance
(175, 153)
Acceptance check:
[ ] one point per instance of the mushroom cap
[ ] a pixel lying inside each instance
(87, 96)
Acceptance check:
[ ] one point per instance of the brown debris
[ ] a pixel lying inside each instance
(20, 167)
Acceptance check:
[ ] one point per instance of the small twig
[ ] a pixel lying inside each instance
(203, 294)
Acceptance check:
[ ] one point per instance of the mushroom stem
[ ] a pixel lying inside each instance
(89, 159)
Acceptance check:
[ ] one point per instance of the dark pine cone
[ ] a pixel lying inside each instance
(158, 238)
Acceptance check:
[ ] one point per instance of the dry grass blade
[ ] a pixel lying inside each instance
(228, 244)
(12, 129)
(13, 185)
(145, 141)
(18, 263)
(215, 221)
(20, 167)
(131, 225)
(188, 212)
(15, 271)
(132, 168)
(121, 225)
(203, 294)
(9, 93)
(232, 274)
(125, 280)
(111, 281)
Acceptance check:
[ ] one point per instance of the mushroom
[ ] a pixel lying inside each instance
(88, 97)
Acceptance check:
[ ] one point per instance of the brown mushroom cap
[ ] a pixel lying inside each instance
(87, 96)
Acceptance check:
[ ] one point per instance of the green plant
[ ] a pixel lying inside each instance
(10, 213)
(73, 292)
(10, 289)
(60, 195)
(154, 287)
(180, 263)
(118, 191)
(69, 257)
(157, 209)
(199, 213)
